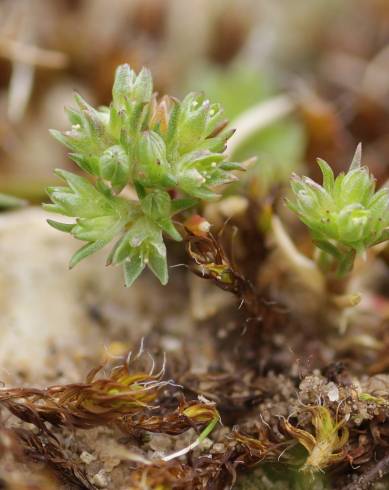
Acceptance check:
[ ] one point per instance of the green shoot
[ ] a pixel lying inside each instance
(345, 215)
(170, 153)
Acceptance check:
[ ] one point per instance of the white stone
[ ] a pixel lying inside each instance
(46, 325)
(333, 392)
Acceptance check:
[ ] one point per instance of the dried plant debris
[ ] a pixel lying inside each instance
(344, 430)
(99, 400)
(259, 448)
(187, 415)
(209, 260)
(163, 475)
(29, 450)
(326, 446)
(123, 400)
(48, 451)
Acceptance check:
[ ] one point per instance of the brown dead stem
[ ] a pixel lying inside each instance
(188, 415)
(257, 449)
(374, 473)
(210, 261)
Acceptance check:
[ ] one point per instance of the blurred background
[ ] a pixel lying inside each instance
(316, 73)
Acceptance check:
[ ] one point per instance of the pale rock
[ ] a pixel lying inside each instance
(100, 479)
(52, 318)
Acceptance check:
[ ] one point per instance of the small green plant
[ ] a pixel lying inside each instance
(345, 215)
(168, 153)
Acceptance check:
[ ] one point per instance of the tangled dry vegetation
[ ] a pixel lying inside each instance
(303, 420)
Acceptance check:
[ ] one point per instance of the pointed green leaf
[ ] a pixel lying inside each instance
(328, 174)
(65, 227)
(62, 138)
(80, 161)
(157, 263)
(85, 251)
(357, 159)
(168, 227)
(133, 267)
(232, 166)
(143, 86)
(124, 79)
(179, 205)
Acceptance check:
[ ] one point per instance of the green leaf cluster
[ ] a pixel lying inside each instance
(169, 152)
(345, 215)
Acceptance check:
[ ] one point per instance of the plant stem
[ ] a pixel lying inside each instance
(323, 260)
(208, 429)
(370, 476)
(306, 269)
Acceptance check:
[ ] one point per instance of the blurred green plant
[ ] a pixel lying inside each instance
(279, 146)
(280, 151)
(169, 152)
(8, 202)
(237, 87)
(345, 215)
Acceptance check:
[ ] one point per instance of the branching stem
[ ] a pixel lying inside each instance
(373, 474)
